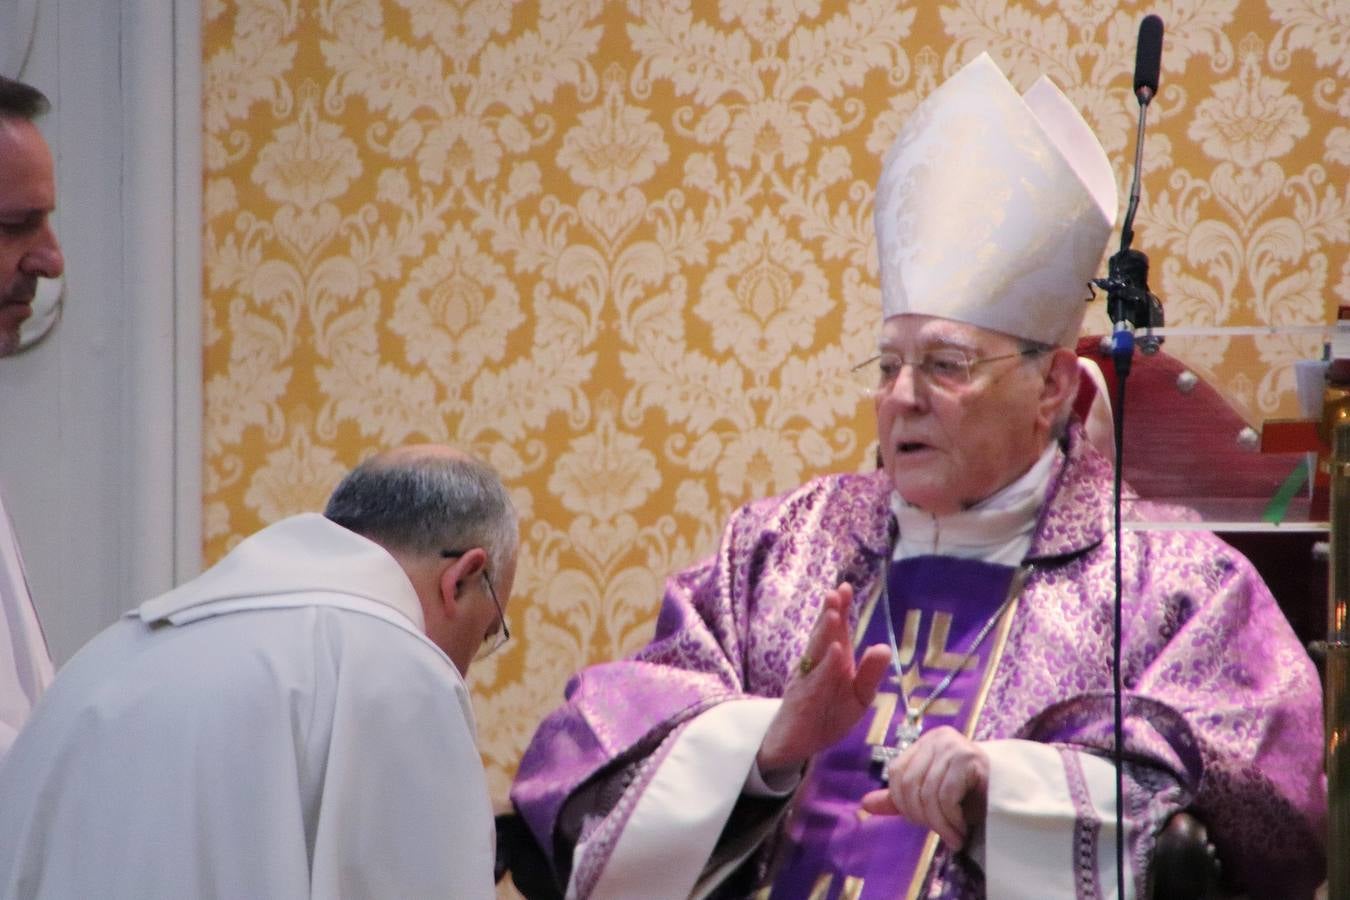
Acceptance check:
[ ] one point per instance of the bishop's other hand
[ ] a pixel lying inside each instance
(941, 782)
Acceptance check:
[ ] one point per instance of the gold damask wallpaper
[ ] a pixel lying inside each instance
(623, 250)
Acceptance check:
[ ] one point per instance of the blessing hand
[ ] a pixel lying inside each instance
(941, 782)
(827, 692)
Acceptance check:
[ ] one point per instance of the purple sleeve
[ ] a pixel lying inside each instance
(1223, 715)
(616, 716)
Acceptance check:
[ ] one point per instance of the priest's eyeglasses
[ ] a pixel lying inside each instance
(495, 639)
(948, 368)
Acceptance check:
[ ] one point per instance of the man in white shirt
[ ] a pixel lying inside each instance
(28, 250)
(293, 722)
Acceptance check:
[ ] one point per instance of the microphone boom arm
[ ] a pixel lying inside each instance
(1129, 303)
(1127, 229)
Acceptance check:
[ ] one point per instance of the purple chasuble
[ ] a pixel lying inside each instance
(830, 849)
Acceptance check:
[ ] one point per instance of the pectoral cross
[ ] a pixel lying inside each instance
(906, 733)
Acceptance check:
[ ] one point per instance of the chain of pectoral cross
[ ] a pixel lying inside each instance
(908, 731)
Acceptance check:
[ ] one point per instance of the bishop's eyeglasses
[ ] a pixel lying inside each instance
(495, 639)
(948, 368)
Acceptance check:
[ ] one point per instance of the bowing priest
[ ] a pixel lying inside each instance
(292, 723)
(898, 684)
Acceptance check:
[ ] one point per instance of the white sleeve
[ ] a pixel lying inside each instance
(772, 784)
(1051, 822)
(670, 836)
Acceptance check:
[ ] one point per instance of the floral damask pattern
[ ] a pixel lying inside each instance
(623, 250)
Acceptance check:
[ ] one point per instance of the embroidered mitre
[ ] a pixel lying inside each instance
(994, 208)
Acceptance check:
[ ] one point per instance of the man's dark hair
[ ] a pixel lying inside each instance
(21, 101)
(425, 504)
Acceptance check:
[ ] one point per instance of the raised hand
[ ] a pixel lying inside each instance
(827, 693)
(941, 782)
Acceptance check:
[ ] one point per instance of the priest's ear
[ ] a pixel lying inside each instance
(458, 570)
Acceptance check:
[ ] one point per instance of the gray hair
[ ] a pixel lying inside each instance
(21, 101)
(426, 504)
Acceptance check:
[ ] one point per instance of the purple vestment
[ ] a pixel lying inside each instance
(1223, 706)
(940, 607)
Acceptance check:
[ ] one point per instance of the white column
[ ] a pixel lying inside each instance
(161, 210)
(100, 423)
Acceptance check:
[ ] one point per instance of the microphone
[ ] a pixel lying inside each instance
(1148, 58)
(1129, 303)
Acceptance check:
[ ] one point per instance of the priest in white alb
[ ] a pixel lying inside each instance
(293, 722)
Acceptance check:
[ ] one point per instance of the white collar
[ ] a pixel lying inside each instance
(303, 554)
(998, 529)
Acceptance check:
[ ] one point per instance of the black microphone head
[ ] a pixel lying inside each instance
(1148, 58)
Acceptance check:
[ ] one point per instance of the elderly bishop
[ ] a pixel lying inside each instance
(898, 684)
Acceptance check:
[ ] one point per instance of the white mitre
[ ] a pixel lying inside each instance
(994, 208)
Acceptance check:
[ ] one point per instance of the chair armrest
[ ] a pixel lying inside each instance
(1185, 865)
(519, 854)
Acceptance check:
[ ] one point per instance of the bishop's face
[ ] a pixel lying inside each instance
(949, 440)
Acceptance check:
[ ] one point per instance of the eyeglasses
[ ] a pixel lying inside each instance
(948, 368)
(495, 639)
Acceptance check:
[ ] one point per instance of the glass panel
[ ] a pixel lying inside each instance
(1202, 416)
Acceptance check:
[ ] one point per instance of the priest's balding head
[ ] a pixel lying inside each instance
(447, 520)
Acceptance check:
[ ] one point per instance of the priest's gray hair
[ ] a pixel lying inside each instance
(425, 504)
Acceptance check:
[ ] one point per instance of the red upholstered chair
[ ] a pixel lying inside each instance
(1183, 446)
(1185, 865)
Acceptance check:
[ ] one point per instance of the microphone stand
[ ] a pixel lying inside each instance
(1130, 305)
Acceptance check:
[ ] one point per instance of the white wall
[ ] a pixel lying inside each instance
(100, 422)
